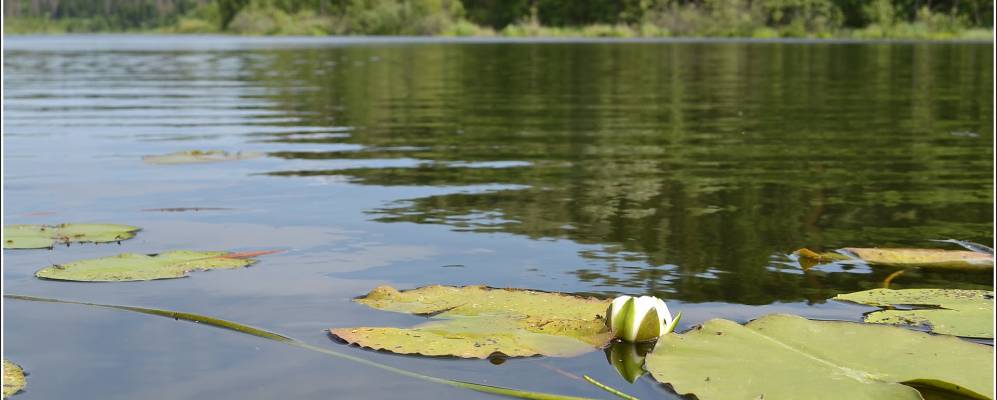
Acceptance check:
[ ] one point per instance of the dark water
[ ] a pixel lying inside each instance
(687, 170)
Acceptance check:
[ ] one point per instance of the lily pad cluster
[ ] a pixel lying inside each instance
(47, 236)
(774, 357)
(122, 267)
(777, 356)
(481, 322)
(119, 268)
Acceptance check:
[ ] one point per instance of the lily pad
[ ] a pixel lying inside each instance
(47, 236)
(968, 313)
(789, 357)
(140, 267)
(903, 258)
(13, 379)
(199, 157)
(480, 322)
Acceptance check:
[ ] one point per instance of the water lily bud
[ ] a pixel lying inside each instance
(639, 319)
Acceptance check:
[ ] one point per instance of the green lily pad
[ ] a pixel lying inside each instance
(968, 313)
(47, 236)
(199, 157)
(480, 322)
(789, 357)
(903, 258)
(13, 379)
(140, 267)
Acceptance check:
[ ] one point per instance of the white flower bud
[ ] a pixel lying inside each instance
(639, 319)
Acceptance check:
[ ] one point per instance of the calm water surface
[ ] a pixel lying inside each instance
(687, 170)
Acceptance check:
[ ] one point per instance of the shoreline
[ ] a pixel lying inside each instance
(498, 39)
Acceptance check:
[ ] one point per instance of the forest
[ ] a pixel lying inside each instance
(860, 19)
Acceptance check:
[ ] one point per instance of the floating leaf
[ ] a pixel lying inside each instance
(199, 156)
(789, 357)
(478, 322)
(13, 379)
(903, 258)
(250, 254)
(186, 209)
(47, 236)
(466, 338)
(140, 267)
(958, 312)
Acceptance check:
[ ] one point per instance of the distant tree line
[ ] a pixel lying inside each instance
(641, 17)
(110, 14)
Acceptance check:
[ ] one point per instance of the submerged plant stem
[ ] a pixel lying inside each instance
(602, 386)
(889, 279)
(245, 329)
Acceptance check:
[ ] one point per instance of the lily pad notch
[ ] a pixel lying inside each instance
(483, 322)
(142, 267)
(47, 236)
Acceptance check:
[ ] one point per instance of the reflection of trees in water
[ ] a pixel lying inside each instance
(694, 167)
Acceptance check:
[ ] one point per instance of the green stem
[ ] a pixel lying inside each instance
(234, 326)
(609, 389)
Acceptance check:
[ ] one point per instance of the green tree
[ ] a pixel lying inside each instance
(228, 9)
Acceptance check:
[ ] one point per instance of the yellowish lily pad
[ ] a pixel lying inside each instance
(903, 258)
(199, 157)
(789, 357)
(13, 379)
(479, 322)
(141, 267)
(968, 313)
(47, 236)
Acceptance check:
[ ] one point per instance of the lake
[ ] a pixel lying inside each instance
(686, 169)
